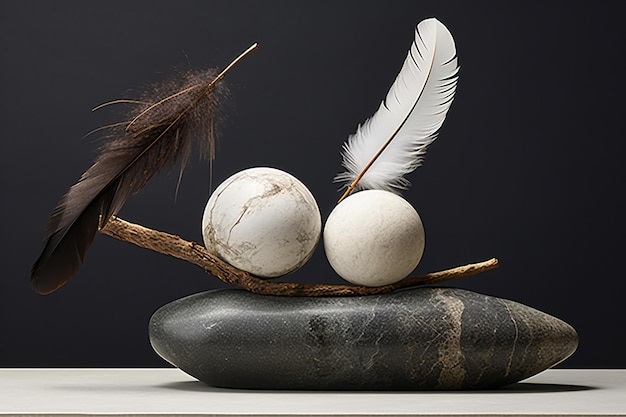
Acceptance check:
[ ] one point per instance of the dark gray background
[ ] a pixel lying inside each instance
(528, 166)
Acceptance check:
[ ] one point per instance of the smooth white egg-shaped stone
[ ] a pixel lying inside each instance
(374, 238)
(263, 221)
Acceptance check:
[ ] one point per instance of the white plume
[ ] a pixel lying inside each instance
(392, 143)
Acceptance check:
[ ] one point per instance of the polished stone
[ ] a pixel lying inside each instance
(418, 339)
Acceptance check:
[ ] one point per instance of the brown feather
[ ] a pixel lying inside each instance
(155, 136)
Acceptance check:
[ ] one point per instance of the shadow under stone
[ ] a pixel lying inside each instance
(520, 388)
(530, 387)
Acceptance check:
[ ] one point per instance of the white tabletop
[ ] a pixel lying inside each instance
(170, 392)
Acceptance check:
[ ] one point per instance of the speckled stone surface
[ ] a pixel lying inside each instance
(418, 339)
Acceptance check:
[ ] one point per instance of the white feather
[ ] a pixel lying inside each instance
(409, 118)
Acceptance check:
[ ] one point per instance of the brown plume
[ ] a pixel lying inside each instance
(159, 132)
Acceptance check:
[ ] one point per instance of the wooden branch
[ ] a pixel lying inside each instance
(197, 254)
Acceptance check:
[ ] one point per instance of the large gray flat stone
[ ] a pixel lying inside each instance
(418, 339)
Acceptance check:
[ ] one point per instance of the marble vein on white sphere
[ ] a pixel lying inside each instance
(263, 221)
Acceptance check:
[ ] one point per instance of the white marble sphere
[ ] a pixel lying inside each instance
(374, 238)
(263, 221)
